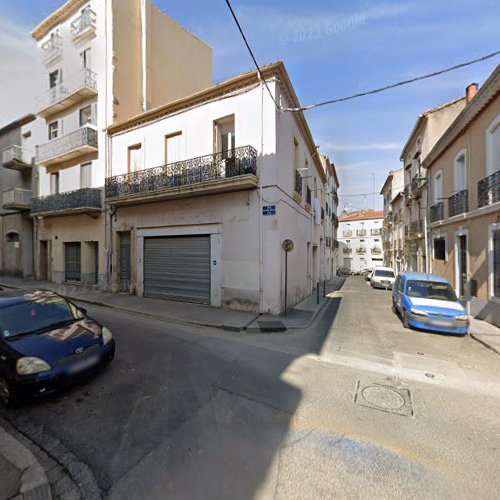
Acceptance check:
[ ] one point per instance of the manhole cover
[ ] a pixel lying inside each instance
(383, 397)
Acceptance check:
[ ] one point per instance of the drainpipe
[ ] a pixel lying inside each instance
(261, 194)
(428, 262)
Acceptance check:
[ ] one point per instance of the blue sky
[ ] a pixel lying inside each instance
(330, 49)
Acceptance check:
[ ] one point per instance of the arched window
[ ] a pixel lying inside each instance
(493, 147)
(460, 171)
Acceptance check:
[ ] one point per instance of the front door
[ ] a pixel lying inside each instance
(73, 261)
(125, 262)
(462, 264)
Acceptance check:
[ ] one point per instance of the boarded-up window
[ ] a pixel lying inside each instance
(439, 249)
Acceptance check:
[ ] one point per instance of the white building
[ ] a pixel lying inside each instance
(102, 61)
(360, 239)
(203, 192)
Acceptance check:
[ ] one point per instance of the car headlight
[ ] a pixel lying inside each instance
(29, 366)
(106, 335)
(418, 312)
(462, 317)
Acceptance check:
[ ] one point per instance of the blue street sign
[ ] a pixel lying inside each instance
(269, 210)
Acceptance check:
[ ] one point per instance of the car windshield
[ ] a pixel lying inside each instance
(383, 273)
(430, 290)
(35, 316)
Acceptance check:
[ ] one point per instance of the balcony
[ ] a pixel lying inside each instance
(488, 190)
(361, 232)
(347, 234)
(361, 250)
(234, 170)
(376, 231)
(458, 203)
(437, 212)
(17, 158)
(76, 88)
(297, 187)
(376, 251)
(52, 50)
(81, 201)
(82, 141)
(83, 28)
(16, 199)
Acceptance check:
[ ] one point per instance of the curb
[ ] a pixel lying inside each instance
(484, 343)
(34, 484)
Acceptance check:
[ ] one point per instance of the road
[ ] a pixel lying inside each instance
(354, 407)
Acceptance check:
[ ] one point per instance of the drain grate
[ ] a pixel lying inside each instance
(388, 398)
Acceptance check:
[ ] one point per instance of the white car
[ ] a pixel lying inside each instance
(382, 277)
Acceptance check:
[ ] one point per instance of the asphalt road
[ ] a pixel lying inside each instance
(354, 407)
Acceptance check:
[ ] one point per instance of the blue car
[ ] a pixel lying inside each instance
(46, 343)
(428, 302)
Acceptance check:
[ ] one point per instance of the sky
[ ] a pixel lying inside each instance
(330, 49)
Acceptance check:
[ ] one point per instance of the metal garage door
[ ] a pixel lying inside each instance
(177, 268)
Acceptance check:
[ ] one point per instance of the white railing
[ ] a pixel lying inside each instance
(77, 81)
(16, 154)
(52, 47)
(87, 21)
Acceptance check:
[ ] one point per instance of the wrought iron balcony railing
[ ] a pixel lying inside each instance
(361, 232)
(17, 158)
(17, 199)
(77, 87)
(376, 231)
(298, 183)
(79, 201)
(86, 22)
(488, 189)
(308, 195)
(458, 203)
(215, 167)
(437, 212)
(361, 250)
(83, 139)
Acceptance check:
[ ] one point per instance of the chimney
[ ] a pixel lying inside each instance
(471, 91)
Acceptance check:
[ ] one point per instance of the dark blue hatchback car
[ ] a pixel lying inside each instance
(46, 343)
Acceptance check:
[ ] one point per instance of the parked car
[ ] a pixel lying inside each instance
(382, 277)
(46, 343)
(366, 272)
(428, 302)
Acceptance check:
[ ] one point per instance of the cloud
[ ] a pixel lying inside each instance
(19, 71)
(374, 146)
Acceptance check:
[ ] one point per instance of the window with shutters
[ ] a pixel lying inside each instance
(54, 183)
(53, 130)
(135, 158)
(86, 175)
(86, 116)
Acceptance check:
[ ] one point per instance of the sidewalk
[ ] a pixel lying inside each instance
(485, 333)
(301, 316)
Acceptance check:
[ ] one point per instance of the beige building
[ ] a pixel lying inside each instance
(464, 173)
(203, 191)
(393, 229)
(428, 129)
(101, 61)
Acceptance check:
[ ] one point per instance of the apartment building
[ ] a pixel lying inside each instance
(101, 61)
(428, 129)
(360, 239)
(203, 191)
(393, 228)
(17, 185)
(331, 217)
(464, 173)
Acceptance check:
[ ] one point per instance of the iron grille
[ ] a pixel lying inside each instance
(81, 198)
(298, 183)
(233, 163)
(308, 195)
(416, 227)
(458, 203)
(437, 212)
(488, 189)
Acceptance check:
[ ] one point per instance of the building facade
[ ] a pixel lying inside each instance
(221, 181)
(360, 239)
(392, 192)
(428, 129)
(17, 185)
(101, 61)
(464, 172)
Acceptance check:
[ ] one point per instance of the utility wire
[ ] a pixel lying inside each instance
(393, 85)
(251, 53)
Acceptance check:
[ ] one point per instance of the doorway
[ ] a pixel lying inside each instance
(461, 264)
(43, 263)
(73, 261)
(125, 261)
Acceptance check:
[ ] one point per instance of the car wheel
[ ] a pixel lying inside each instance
(405, 319)
(7, 396)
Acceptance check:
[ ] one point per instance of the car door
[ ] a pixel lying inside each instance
(395, 289)
(399, 291)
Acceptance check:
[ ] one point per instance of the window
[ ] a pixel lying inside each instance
(86, 175)
(438, 187)
(86, 116)
(54, 183)
(173, 144)
(439, 248)
(225, 139)
(53, 130)
(55, 78)
(85, 55)
(493, 147)
(12, 237)
(460, 172)
(135, 158)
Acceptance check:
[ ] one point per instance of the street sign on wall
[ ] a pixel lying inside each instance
(269, 210)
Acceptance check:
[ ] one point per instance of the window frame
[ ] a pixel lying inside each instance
(83, 173)
(461, 154)
(50, 129)
(440, 237)
(91, 116)
(55, 177)
(133, 147)
(492, 127)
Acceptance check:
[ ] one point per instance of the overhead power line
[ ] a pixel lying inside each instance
(251, 53)
(393, 85)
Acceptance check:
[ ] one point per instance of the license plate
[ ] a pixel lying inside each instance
(440, 322)
(83, 364)
(386, 282)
